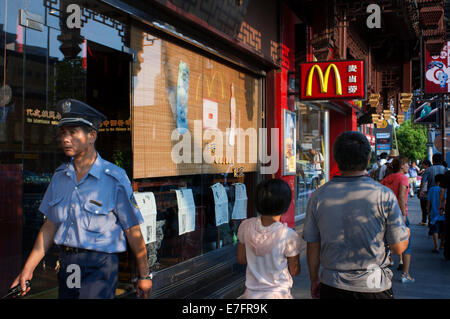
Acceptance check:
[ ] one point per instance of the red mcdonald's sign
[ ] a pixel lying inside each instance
(333, 80)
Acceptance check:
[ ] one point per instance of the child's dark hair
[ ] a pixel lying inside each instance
(426, 162)
(273, 197)
(439, 178)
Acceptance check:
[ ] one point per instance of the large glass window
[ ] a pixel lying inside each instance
(177, 120)
(42, 66)
(195, 127)
(311, 154)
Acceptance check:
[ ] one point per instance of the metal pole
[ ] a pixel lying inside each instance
(429, 143)
(327, 154)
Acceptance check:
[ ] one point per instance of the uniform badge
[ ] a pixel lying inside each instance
(66, 106)
(133, 201)
(96, 203)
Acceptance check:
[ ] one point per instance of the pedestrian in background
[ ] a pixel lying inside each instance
(317, 161)
(386, 169)
(348, 221)
(375, 172)
(399, 184)
(422, 194)
(429, 175)
(269, 248)
(413, 172)
(90, 214)
(437, 218)
(445, 206)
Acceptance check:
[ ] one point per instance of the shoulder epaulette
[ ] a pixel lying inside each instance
(61, 167)
(115, 172)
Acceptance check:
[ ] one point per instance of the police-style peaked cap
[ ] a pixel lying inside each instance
(74, 112)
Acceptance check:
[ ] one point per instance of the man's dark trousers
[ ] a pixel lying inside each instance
(328, 292)
(447, 237)
(98, 271)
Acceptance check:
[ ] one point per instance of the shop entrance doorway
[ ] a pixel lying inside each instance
(108, 90)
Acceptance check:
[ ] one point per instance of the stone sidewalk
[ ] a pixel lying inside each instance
(430, 271)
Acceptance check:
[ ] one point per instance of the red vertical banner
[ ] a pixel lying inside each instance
(288, 65)
(84, 54)
(19, 39)
(437, 71)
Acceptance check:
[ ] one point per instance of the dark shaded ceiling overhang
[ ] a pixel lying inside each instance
(432, 23)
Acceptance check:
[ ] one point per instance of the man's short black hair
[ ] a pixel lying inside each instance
(273, 197)
(439, 178)
(351, 150)
(437, 159)
(383, 155)
(86, 129)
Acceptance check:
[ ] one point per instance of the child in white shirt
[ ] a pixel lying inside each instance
(269, 248)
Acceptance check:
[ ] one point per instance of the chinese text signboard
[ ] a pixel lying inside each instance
(333, 80)
(383, 138)
(437, 71)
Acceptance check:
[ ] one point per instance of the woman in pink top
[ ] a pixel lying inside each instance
(399, 184)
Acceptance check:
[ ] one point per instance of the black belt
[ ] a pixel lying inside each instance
(74, 250)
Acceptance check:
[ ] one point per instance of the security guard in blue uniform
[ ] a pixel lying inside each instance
(90, 214)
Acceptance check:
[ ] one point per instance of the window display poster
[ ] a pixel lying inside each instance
(147, 205)
(221, 204)
(182, 97)
(240, 202)
(289, 149)
(210, 114)
(186, 211)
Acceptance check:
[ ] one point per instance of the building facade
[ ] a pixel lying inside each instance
(184, 88)
(203, 102)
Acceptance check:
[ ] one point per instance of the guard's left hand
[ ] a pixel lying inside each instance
(144, 288)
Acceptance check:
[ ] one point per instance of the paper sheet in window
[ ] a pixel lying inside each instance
(240, 202)
(221, 204)
(186, 211)
(147, 206)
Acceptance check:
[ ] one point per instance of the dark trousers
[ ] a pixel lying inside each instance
(447, 237)
(98, 275)
(423, 206)
(328, 292)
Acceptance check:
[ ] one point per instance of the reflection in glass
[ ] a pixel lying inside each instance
(162, 74)
(310, 154)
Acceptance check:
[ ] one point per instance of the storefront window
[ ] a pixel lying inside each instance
(179, 123)
(42, 66)
(311, 154)
(195, 127)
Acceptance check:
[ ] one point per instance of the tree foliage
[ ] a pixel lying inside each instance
(412, 139)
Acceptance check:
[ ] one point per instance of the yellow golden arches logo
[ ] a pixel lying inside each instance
(324, 81)
(217, 75)
(383, 124)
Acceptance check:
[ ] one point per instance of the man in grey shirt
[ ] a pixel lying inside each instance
(348, 223)
(428, 178)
